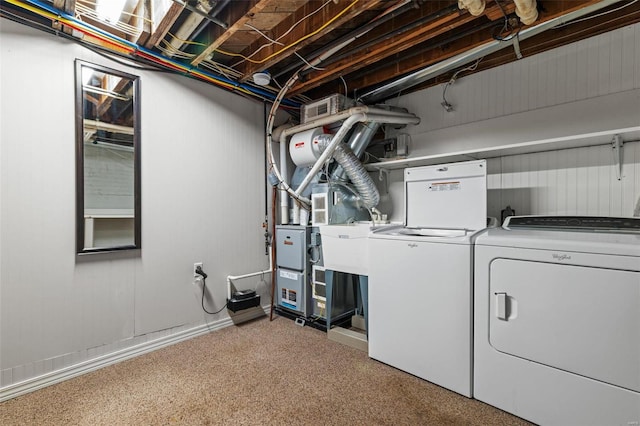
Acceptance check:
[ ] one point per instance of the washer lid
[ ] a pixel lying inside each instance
(447, 196)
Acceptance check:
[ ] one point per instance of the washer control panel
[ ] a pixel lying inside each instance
(581, 223)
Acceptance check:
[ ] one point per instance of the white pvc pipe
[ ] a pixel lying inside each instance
(527, 11)
(231, 278)
(339, 117)
(284, 199)
(475, 7)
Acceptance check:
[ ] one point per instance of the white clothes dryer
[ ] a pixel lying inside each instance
(557, 319)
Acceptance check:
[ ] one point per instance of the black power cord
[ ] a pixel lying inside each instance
(200, 272)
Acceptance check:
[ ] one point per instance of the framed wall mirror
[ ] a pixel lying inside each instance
(107, 159)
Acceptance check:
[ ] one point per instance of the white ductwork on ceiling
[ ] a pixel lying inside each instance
(475, 7)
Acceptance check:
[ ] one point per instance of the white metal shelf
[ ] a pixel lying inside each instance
(574, 141)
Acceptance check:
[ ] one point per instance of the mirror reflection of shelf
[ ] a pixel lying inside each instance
(108, 227)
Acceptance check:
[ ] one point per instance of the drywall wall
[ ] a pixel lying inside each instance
(202, 165)
(583, 88)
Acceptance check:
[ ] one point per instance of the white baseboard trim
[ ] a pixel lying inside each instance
(84, 367)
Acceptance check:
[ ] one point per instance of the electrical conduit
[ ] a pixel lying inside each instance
(122, 45)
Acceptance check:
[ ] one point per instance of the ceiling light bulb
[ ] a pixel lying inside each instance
(261, 78)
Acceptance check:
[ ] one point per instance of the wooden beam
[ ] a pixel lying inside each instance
(275, 53)
(383, 50)
(236, 17)
(67, 6)
(107, 100)
(164, 23)
(142, 20)
(545, 41)
(397, 45)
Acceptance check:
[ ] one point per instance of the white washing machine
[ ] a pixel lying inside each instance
(420, 276)
(557, 320)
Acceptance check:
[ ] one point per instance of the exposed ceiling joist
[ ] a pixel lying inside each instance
(405, 60)
(236, 18)
(304, 34)
(388, 40)
(142, 19)
(67, 6)
(165, 19)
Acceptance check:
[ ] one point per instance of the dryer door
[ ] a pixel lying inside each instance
(580, 319)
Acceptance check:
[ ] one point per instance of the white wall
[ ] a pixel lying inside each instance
(202, 201)
(586, 87)
(577, 181)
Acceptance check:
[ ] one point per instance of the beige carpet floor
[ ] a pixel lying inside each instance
(258, 373)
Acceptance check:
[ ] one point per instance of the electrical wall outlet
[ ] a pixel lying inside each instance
(195, 266)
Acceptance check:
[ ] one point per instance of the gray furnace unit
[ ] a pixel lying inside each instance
(297, 248)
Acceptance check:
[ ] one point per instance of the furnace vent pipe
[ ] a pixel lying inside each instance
(359, 141)
(377, 115)
(475, 7)
(351, 116)
(527, 11)
(356, 172)
(284, 171)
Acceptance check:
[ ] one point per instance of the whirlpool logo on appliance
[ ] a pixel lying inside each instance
(561, 256)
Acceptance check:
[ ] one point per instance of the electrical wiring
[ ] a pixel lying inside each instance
(167, 48)
(595, 16)
(346, 91)
(283, 34)
(447, 106)
(94, 4)
(85, 11)
(263, 34)
(204, 287)
(186, 41)
(289, 46)
(220, 69)
(308, 64)
(101, 35)
(121, 45)
(113, 58)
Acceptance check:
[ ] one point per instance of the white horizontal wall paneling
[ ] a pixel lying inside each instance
(202, 201)
(573, 97)
(578, 181)
(605, 64)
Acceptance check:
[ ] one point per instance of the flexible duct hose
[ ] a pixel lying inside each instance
(356, 172)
